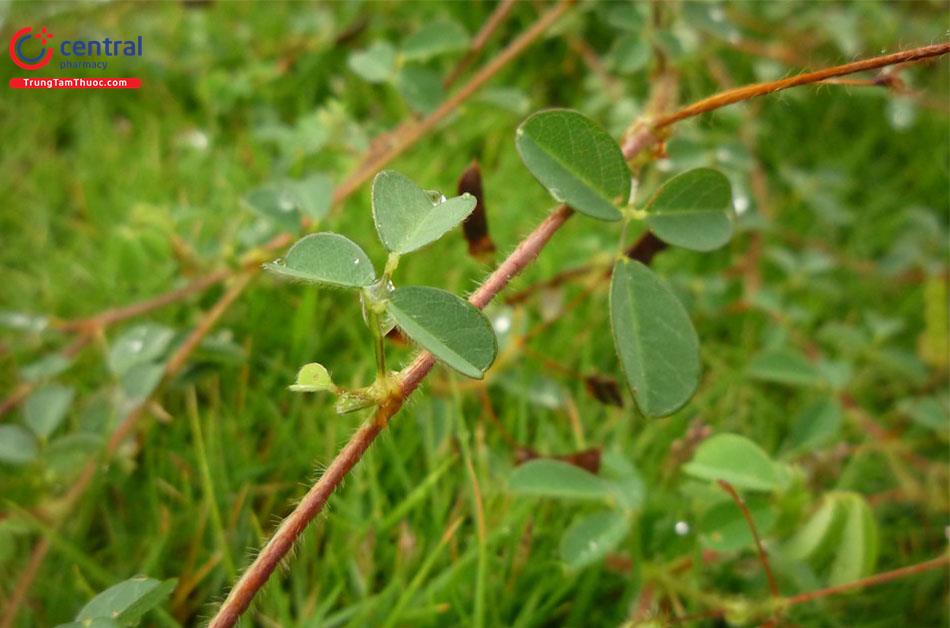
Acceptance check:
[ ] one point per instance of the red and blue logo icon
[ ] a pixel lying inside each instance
(34, 61)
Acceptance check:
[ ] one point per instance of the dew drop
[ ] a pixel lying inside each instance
(436, 197)
(502, 323)
(285, 203)
(741, 203)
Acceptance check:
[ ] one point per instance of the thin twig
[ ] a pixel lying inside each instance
(26, 579)
(809, 596)
(760, 89)
(763, 557)
(870, 581)
(116, 315)
(494, 20)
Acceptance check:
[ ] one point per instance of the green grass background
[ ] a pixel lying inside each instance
(102, 191)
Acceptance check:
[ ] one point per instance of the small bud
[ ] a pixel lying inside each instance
(313, 377)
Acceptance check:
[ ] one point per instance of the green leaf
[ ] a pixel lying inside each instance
(724, 528)
(140, 344)
(65, 455)
(376, 64)
(141, 380)
(629, 488)
(421, 87)
(17, 445)
(576, 160)
(592, 537)
(817, 537)
(277, 203)
(857, 547)
(433, 39)
(626, 16)
(931, 412)
(692, 210)
(98, 622)
(815, 426)
(737, 460)
(313, 195)
(408, 218)
(451, 328)
(326, 258)
(784, 366)
(313, 377)
(630, 53)
(46, 408)
(127, 601)
(48, 366)
(656, 342)
(545, 477)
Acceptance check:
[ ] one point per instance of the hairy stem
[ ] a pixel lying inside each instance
(760, 89)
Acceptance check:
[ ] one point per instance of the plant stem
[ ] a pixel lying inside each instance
(478, 42)
(870, 581)
(763, 557)
(760, 89)
(379, 342)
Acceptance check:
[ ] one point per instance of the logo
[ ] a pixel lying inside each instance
(34, 62)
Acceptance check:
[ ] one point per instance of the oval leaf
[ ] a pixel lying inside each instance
(139, 345)
(737, 460)
(406, 216)
(576, 160)
(656, 342)
(46, 408)
(48, 366)
(821, 532)
(128, 600)
(326, 258)
(857, 548)
(433, 39)
(452, 329)
(376, 64)
(692, 210)
(785, 366)
(590, 538)
(545, 477)
(17, 445)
